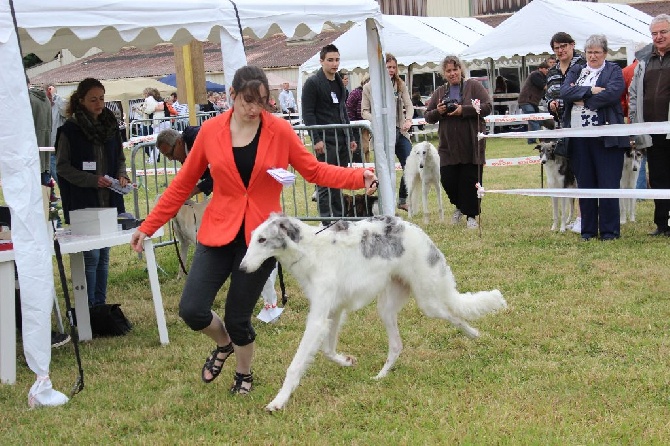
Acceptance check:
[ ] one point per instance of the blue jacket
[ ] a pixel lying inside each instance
(607, 103)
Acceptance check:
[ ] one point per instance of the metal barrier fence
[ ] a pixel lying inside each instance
(298, 200)
(144, 127)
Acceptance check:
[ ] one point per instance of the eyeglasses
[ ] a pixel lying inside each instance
(561, 47)
(594, 53)
(663, 32)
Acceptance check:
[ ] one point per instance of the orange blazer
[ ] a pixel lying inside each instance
(232, 203)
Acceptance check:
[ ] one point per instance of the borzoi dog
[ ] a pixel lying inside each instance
(422, 171)
(632, 162)
(559, 175)
(380, 256)
(186, 224)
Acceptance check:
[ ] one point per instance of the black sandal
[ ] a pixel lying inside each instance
(241, 378)
(210, 364)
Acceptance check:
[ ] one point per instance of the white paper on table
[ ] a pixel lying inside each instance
(282, 175)
(116, 186)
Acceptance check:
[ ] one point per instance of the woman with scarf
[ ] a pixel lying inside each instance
(592, 97)
(88, 148)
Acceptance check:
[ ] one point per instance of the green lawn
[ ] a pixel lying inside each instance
(579, 357)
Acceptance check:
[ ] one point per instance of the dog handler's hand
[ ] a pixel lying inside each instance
(137, 241)
(370, 182)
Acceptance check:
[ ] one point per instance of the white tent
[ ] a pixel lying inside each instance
(47, 27)
(412, 40)
(529, 31)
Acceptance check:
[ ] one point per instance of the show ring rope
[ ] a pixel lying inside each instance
(645, 128)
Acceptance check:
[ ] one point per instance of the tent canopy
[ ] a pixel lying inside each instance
(171, 80)
(126, 89)
(529, 31)
(412, 40)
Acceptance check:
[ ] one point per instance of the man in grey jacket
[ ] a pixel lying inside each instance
(324, 102)
(649, 94)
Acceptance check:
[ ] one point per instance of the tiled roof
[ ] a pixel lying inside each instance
(270, 52)
(653, 8)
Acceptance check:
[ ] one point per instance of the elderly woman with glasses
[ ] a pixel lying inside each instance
(592, 98)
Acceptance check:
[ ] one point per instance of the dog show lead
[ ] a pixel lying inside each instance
(239, 146)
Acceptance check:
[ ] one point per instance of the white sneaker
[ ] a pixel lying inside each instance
(472, 223)
(456, 218)
(577, 225)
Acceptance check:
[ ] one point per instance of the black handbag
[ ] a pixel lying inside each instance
(109, 320)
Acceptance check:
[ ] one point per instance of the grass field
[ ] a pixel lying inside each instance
(579, 357)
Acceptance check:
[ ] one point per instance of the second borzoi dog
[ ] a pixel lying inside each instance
(422, 171)
(186, 224)
(632, 162)
(559, 175)
(379, 256)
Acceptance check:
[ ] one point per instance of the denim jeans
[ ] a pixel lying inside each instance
(96, 269)
(52, 167)
(532, 125)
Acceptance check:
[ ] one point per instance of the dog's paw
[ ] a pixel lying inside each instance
(344, 360)
(275, 406)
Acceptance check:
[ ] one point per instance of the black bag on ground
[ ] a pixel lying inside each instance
(109, 320)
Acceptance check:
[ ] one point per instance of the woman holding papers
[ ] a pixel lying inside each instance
(239, 146)
(89, 156)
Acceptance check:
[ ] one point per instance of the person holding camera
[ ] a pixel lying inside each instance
(459, 107)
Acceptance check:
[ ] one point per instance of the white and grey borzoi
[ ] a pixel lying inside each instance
(346, 266)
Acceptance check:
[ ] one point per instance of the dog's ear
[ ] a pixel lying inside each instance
(538, 147)
(289, 229)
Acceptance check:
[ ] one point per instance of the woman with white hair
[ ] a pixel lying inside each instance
(592, 97)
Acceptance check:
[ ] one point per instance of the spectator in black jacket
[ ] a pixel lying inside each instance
(564, 46)
(324, 102)
(531, 93)
(175, 146)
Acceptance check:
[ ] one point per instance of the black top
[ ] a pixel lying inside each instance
(245, 158)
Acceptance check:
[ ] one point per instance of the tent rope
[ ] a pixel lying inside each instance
(239, 23)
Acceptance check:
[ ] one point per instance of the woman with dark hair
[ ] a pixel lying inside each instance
(239, 146)
(592, 97)
(459, 108)
(89, 151)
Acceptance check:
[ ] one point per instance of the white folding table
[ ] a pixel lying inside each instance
(74, 245)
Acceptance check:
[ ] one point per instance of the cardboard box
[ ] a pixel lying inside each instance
(93, 221)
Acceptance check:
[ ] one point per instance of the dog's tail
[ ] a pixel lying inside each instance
(475, 305)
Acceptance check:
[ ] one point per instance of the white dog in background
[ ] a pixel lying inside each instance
(378, 256)
(559, 175)
(632, 162)
(422, 171)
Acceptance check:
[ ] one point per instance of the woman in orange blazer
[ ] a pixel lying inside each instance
(239, 146)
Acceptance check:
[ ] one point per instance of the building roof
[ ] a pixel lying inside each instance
(652, 7)
(270, 52)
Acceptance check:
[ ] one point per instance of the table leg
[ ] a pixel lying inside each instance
(80, 296)
(7, 324)
(156, 291)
